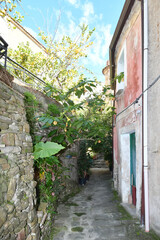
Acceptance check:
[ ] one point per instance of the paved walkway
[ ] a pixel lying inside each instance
(95, 214)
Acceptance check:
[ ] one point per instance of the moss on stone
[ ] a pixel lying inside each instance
(80, 214)
(71, 204)
(89, 198)
(77, 229)
(125, 214)
(56, 230)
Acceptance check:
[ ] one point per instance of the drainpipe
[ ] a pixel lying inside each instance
(145, 114)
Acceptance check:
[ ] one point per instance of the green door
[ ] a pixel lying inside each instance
(133, 167)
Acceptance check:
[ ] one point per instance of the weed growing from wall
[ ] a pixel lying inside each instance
(31, 105)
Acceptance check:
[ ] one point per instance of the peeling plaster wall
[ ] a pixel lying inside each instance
(130, 120)
(154, 114)
(133, 123)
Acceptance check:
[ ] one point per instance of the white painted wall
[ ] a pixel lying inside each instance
(134, 124)
(125, 167)
(15, 36)
(154, 114)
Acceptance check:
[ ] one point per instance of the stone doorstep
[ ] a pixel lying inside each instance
(131, 209)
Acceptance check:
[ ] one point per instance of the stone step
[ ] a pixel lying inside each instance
(99, 163)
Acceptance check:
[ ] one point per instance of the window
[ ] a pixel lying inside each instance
(121, 67)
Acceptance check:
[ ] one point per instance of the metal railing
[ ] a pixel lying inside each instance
(3, 50)
(16, 69)
(24, 75)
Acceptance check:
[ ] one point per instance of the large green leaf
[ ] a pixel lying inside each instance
(89, 88)
(43, 150)
(58, 138)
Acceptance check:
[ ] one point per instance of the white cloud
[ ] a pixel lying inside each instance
(107, 37)
(88, 13)
(69, 14)
(88, 9)
(75, 3)
(98, 53)
(100, 16)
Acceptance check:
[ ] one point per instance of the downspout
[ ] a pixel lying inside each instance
(142, 198)
(145, 114)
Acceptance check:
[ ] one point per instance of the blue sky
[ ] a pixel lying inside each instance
(101, 14)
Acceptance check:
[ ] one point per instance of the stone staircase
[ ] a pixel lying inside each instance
(99, 162)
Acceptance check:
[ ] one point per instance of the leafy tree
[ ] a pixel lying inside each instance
(34, 62)
(63, 57)
(88, 118)
(9, 7)
(60, 64)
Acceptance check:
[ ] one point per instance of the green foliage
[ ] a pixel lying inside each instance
(48, 167)
(50, 181)
(77, 229)
(60, 64)
(63, 60)
(31, 105)
(25, 56)
(81, 114)
(30, 99)
(45, 150)
(120, 77)
(69, 204)
(84, 160)
(124, 214)
(70, 195)
(53, 109)
(80, 214)
(9, 7)
(77, 117)
(55, 231)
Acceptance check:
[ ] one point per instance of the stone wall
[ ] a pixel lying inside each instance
(18, 217)
(69, 157)
(69, 160)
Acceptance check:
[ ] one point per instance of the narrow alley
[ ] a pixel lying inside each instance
(95, 213)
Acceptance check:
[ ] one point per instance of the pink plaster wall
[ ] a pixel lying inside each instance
(134, 80)
(134, 63)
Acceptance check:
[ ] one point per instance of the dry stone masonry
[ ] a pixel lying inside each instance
(18, 217)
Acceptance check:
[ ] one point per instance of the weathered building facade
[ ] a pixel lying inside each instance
(153, 116)
(134, 51)
(128, 129)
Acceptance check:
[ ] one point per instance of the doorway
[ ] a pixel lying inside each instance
(133, 167)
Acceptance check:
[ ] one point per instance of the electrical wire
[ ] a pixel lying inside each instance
(137, 99)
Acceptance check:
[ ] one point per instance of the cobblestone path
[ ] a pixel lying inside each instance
(95, 213)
